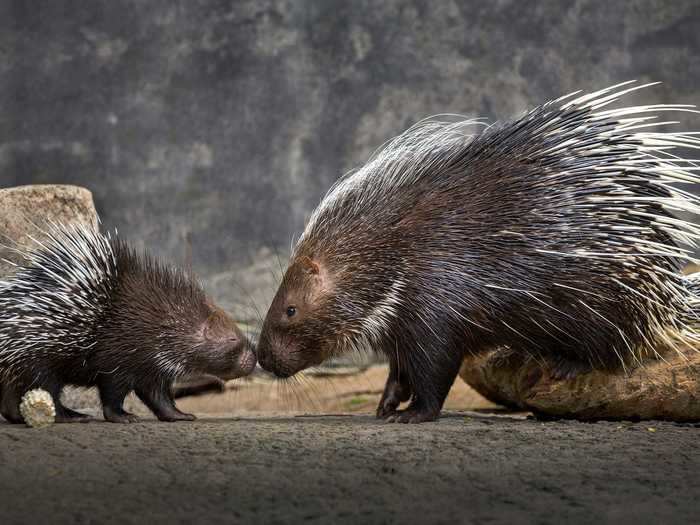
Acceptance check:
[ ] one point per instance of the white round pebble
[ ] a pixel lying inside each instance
(38, 409)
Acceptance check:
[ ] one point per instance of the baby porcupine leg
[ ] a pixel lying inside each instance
(63, 413)
(396, 391)
(66, 415)
(9, 403)
(160, 401)
(112, 394)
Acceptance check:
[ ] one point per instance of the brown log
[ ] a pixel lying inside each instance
(666, 389)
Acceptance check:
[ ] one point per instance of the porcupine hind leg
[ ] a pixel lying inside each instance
(67, 415)
(396, 391)
(112, 394)
(159, 399)
(63, 413)
(9, 403)
(431, 372)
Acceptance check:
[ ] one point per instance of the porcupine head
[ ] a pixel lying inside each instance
(330, 301)
(169, 310)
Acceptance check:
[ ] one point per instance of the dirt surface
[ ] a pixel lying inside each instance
(308, 393)
(470, 468)
(324, 392)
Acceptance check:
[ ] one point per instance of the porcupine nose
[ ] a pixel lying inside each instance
(263, 353)
(247, 358)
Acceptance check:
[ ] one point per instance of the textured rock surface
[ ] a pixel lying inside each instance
(24, 210)
(210, 129)
(464, 469)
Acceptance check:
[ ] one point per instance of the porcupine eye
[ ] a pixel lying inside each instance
(291, 311)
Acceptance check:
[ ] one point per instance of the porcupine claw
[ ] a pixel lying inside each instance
(395, 393)
(119, 416)
(414, 415)
(125, 418)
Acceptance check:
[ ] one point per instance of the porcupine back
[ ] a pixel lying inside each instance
(557, 232)
(86, 297)
(50, 307)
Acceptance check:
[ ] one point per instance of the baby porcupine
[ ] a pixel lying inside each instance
(88, 310)
(554, 234)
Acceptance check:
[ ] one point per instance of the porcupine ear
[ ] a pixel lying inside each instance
(309, 266)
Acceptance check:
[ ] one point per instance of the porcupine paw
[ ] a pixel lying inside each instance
(395, 393)
(120, 416)
(66, 415)
(413, 415)
(176, 416)
(562, 369)
(387, 408)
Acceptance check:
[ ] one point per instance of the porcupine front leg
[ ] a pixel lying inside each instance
(159, 399)
(112, 394)
(396, 391)
(431, 372)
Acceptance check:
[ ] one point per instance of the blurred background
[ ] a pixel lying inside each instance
(208, 130)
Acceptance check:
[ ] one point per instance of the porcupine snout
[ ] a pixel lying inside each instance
(241, 351)
(225, 351)
(247, 358)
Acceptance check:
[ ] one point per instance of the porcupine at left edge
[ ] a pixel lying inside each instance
(87, 309)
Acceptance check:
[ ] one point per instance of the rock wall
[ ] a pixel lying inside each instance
(209, 130)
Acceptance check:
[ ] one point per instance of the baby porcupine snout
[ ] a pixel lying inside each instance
(231, 354)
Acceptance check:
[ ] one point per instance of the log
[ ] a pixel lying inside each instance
(663, 389)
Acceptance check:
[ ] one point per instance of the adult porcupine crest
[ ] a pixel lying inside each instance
(87, 309)
(555, 234)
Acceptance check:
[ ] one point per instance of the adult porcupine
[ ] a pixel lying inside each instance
(552, 234)
(88, 310)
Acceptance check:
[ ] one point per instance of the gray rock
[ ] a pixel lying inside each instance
(25, 210)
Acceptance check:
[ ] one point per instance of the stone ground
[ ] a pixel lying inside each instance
(483, 466)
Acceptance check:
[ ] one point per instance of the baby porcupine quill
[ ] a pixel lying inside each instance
(88, 310)
(554, 234)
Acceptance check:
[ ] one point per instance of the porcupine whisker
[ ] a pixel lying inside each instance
(279, 264)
